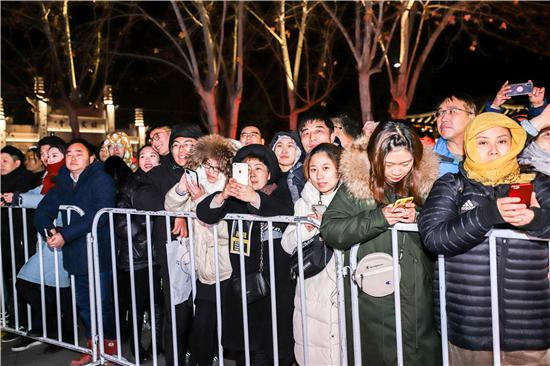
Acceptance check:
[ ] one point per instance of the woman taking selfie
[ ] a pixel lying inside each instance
(375, 172)
(211, 158)
(321, 170)
(456, 224)
(262, 197)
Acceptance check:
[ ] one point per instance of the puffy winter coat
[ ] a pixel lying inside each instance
(454, 228)
(125, 199)
(203, 234)
(322, 309)
(354, 217)
(94, 190)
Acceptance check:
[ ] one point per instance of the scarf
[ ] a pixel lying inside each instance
(121, 137)
(504, 169)
(51, 171)
(535, 156)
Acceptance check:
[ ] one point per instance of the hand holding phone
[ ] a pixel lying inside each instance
(240, 173)
(523, 191)
(400, 203)
(48, 234)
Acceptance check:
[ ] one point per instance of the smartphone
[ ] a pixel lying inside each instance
(402, 202)
(319, 209)
(240, 173)
(520, 89)
(522, 191)
(192, 175)
(47, 233)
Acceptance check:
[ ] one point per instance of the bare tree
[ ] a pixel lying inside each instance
(197, 48)
(74, 57)
(310, 82)
(370, 29)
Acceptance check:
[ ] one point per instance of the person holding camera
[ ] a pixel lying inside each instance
(321, 170)
(263, 197)
(376, 172)
(460, 211)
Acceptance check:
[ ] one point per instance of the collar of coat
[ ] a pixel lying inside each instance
(355, 170)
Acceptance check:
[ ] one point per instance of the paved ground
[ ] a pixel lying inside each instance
(35, 356)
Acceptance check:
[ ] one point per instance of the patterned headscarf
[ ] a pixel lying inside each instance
(122, 138)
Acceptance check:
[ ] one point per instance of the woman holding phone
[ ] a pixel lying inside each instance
(321, 171)
(260, 197)
(208, 168)
(376, 172)
(456, 224)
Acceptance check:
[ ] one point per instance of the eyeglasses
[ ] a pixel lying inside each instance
(451, 111)
(116, 145)
(246, 135)
(215, 169)
(177, 145)
(156, 136)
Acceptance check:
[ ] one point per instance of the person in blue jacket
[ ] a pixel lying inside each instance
(83, 183)
(537, 101)
(454, 113)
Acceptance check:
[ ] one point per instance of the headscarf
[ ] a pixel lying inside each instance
(535, 156)
(121, 137)
(504, 169)
(295, 139)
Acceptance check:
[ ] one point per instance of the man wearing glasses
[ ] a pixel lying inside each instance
(251, 134)
(150, 197)
(453, 115)
(159, 136)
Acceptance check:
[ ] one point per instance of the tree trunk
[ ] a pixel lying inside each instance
(364, 95)
(235, 103)
(209, 106)
(293, 124)
(73, 121)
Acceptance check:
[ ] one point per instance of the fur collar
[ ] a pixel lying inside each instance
(355, 170)
(212, 147)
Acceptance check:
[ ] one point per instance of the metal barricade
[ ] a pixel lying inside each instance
(341, 270)
(239, 218)
(68, 210)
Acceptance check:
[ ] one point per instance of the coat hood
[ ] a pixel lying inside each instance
(300, 152)
(355, 170)
(212, 147)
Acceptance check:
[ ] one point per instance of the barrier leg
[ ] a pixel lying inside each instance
(218, 296)
(355, 309)
(341, 307)
(494, 300)
(397, 297)
(443, 309)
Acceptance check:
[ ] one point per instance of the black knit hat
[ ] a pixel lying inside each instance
(188, 130)
(264, 153)
(14, 152)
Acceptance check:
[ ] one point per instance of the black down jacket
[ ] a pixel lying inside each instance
(125, 199)
(457, 230)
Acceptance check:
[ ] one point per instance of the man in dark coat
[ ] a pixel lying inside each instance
(150, 197)
(83, 183)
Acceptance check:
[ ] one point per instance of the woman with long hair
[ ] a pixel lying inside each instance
(321, 171)
(376, 172)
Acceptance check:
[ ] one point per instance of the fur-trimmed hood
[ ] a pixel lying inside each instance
(212, 147)
(355, 170)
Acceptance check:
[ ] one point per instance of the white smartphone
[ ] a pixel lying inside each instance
(240, 173)
(192, 175)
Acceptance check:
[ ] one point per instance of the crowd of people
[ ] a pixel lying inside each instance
(333, 170)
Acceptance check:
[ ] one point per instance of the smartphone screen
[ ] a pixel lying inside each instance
(240, 173)
(192, 175)
(523, 191)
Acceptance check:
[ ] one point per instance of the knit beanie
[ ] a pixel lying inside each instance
(188, 130)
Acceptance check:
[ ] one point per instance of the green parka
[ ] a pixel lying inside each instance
(354, 217)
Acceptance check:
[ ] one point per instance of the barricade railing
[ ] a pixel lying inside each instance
(59, 340)
(239, 218)
(341, 270)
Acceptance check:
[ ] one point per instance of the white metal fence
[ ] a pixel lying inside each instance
(98, 351)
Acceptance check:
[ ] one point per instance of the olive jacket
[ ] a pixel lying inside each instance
(354, 217)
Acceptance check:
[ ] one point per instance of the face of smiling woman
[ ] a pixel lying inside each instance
(148, 159)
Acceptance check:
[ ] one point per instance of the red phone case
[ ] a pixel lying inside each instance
(522, 191)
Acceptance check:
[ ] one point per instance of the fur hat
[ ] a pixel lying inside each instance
(213, 147)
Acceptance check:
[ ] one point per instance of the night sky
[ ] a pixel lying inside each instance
(166, 95)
